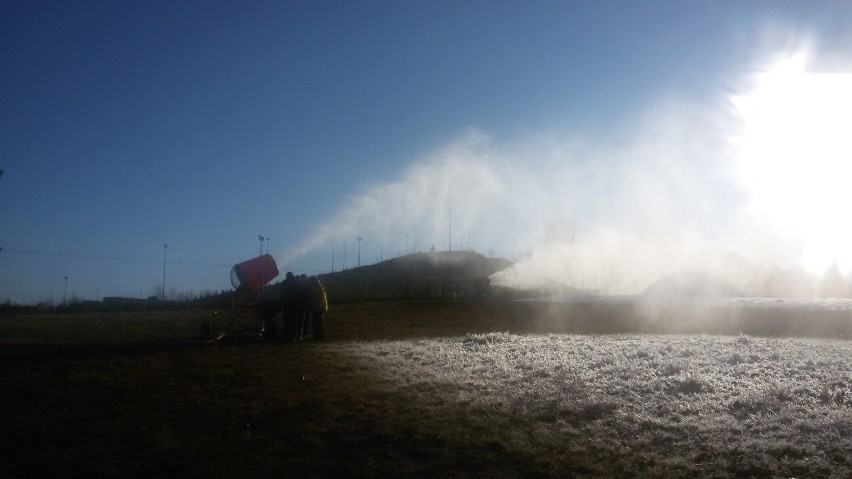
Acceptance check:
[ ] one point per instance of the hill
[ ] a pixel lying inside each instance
(438, 274)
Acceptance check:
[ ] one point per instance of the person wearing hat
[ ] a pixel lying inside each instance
(318, 308)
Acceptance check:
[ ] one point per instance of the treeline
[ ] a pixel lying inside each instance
(220, 300)
(432, 275)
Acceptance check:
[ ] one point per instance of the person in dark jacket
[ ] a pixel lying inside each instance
(304, 306)
(291, 307)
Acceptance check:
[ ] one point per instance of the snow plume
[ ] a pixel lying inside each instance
(608, 217)
(418, 206)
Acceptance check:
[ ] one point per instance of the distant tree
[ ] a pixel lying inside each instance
(481, 286)
(833, 283)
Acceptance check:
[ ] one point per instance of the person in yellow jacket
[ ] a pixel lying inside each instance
(318, 308)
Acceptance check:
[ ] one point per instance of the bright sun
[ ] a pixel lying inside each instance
(796, 156)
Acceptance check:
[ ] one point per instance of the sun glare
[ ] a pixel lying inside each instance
(795, 148)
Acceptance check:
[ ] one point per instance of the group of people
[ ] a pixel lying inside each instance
(303, 303)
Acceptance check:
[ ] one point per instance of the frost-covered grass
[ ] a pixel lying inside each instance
(655, 405)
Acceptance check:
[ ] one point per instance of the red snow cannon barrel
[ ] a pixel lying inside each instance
(251, 275)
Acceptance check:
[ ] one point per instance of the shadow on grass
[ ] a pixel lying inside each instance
(229, 410)
(47, 353)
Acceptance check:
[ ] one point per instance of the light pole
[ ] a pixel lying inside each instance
(450, 215)
(261, 238)
(267, 244)
(359, 250)
(65, 294)
(344, 257)
(165, 247)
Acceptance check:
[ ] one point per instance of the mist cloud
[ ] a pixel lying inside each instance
(611, 217)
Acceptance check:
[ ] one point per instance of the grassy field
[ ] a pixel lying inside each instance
(425, 389)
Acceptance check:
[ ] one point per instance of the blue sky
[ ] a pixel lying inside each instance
(201, 125)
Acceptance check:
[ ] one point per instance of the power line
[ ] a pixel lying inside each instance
(105, 257)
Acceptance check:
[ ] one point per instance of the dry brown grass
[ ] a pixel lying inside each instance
(419, 390)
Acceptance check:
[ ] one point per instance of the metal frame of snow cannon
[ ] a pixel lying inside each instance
(248, 279)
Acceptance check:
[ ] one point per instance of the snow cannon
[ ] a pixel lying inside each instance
(250, 276)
